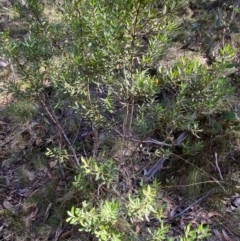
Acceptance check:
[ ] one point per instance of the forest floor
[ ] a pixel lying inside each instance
(36, 192)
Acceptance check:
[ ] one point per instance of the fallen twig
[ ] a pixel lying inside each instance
(178, 141)
(159, 164)
(196, 202)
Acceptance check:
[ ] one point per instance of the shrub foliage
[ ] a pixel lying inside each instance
(106, 64)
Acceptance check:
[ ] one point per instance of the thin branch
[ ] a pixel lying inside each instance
(217, 166)
(55, 120)
(196, 202)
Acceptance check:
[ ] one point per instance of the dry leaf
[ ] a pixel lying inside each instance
(217, 233)
(3, 64)
(24, 192)
(226, 237)
(3, 123)
(3, 226)
(48, 173)
(137, 231)
(169, 207)
(46, 214)
(33, 214)
(53, 163)
(27, 222)
(214, 213)
(30, 175)
(7, 204)
(136, 220)
(173, 212)
(65, 234)
(58, 232)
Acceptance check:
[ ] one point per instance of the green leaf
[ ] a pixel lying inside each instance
(173, 5)
(71, 214)
(217, 126)
(230, 66)
(218, 22)
(84, 161)
(229, 116)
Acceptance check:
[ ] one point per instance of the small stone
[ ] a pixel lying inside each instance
(3, 64)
